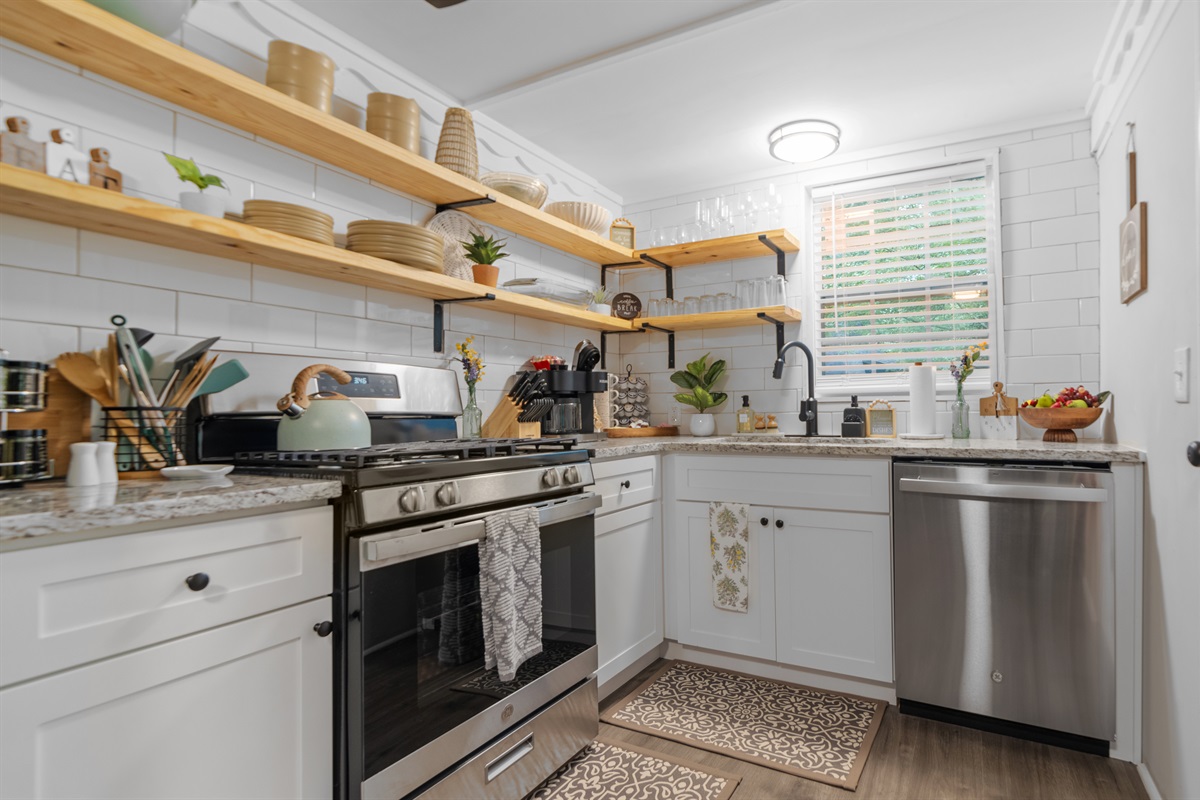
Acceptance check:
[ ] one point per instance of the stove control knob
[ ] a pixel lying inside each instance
(447, 494)
(550, 478)
(412, 501)
(570, 476)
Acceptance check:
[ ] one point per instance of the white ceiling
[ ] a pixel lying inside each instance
(659, 97)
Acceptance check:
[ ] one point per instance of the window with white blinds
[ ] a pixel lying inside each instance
(904, 271)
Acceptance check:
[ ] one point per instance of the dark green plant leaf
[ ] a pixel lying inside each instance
(1102, 398)
(687, 400)
(213, 180)
(718, 398)
(714, 373)
(685, 379)
(697, 366)
(705, 399)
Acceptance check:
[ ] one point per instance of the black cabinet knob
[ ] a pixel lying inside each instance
(624, 484)
(764, 521)
(778, 523)
(197, 582)
(323, 629)
(1193, 454)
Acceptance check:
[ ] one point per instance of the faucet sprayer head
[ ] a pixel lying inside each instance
(777, 373)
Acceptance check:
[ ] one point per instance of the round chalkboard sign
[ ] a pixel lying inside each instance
(626, 305)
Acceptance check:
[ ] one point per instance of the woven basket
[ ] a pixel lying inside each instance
(456, 148)
(455, 228)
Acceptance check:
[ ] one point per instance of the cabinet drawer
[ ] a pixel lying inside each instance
(69, 604)
(640, 473)
(834, 484)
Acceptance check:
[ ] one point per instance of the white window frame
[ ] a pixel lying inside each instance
(859, 173)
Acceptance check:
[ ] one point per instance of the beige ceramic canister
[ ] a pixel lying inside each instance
(396, 119)
(301, 73)
(456, 148)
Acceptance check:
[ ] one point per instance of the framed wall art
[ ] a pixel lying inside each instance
(881, 420)
(1133, 235)
(622, 232)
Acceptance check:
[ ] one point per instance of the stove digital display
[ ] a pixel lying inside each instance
(362, 384)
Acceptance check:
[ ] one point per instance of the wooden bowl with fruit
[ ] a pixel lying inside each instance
(1073, 409)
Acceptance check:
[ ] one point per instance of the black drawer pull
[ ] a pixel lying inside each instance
(323, 629)
(764, 521)
(625, 484)
(778, 523)
(197, 582)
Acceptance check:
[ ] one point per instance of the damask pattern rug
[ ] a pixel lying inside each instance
(823, 736)
(610, 770)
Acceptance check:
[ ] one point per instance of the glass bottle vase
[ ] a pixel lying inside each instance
(472, 418)
(960, 417)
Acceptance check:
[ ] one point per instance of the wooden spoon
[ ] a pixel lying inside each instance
(86, 375)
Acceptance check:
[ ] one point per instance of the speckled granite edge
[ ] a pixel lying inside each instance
(41, 510)
(879, 448)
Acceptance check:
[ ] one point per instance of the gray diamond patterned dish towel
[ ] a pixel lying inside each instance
(510, 582)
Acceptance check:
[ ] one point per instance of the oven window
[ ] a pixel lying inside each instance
(422, 632)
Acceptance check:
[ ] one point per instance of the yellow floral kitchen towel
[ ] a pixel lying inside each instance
(729, 542)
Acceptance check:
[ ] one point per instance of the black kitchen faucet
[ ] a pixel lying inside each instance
(808, 408)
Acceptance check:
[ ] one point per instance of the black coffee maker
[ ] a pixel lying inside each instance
(573, 392)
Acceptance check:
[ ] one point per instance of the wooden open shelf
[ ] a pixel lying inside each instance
(727, 248)
(723, 319)
(38, 196)
(89, 37)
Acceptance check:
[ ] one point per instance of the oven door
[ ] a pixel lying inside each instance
(419, 698)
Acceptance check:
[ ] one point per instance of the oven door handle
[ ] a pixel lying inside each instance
(414, 543)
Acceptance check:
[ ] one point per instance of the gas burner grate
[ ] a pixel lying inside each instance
(411, 452)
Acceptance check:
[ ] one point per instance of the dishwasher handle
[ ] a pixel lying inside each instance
(1005, 491)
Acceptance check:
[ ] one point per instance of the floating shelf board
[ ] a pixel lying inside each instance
(728, 248)
(37, 196)
(723, 319)
(89, 37)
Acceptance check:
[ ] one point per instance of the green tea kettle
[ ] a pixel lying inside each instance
(321, 421)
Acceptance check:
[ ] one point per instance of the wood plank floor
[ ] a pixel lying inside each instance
(920, 759)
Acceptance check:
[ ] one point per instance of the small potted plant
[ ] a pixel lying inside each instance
(209, 204)
(598, 301)
(484, 252)
(699, 379)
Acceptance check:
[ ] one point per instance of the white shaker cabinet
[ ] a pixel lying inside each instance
(629, 563)
(702, 624)
(243, 710)
(833, 592)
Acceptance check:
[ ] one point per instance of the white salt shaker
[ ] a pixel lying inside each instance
(82, 471)
(106, 462)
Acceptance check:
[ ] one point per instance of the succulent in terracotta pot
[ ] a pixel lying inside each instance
(484, 252)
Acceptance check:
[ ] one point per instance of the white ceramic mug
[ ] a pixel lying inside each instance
(82, 471)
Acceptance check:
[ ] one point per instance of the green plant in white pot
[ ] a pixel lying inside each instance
(598, 301)
(699, 378)
(212, 205)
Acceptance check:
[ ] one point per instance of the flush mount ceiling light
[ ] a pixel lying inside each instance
(804, 140)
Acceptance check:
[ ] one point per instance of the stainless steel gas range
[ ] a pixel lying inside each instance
(417, 713)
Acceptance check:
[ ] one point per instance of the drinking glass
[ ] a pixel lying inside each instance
(654, 308)
(691, 305)
(776, 290)
(745, 293)
(672, 307)
(726, 302)
(708, 304)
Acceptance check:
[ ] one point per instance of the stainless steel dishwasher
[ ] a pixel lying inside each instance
(1004, 604)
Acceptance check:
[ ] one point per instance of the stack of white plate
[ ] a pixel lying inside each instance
(294, 220)
(396, 241)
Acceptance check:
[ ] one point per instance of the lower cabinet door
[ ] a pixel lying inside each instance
(833, 589)
(701, 622)
(240, 711)
(629, 587)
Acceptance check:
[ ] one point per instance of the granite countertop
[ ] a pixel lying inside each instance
(55, 512)
(773, 444)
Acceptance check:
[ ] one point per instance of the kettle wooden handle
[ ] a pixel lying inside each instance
(298, 396)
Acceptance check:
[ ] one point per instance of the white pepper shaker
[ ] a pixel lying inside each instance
(106, 462)
(82, 471)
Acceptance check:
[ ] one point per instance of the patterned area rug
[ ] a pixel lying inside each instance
(610, 770)
(815, 734)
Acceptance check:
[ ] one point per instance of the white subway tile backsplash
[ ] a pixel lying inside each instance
(475, 320)
(1087, 199)
(1065, 127)
(128, 261)
(1014, 237)
(1081, 144)
(1040, 260)
(37, 296)
(1013, 184)
(1049, 314)
(1018, 343)
(310, 352)
(536, 330)
(36, 341)
(214, 316)
(1067, 175)
(360, 197)
(1087, 255)
(1066, 285)
(1064, 341)
(336, 332)
(734, 337)
(1044, 205)
(38, 245)
(291, 289)
(226, 153)
(1016, 290)
(988, 143)
(1080, 228)
(402, 308)
(1056, 370)
(1036, 152)
(1089, 311)
(1089, 369)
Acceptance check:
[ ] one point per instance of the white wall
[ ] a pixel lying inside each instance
(59, 286)
(1050, 267)
(1137, 341)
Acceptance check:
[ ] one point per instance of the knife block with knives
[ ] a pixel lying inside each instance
(519, 413)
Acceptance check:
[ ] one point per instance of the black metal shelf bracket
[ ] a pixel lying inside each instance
(778, 329)
(477, 201)
(439, 317)
(604, 344)
(670, 342)
(604, 268)
(670, 273)
(779, 266)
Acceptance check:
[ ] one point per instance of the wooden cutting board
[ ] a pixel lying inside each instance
(67, 419)
(638, 433)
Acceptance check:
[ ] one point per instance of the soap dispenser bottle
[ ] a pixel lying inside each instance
(854, 420)
(745, 416)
